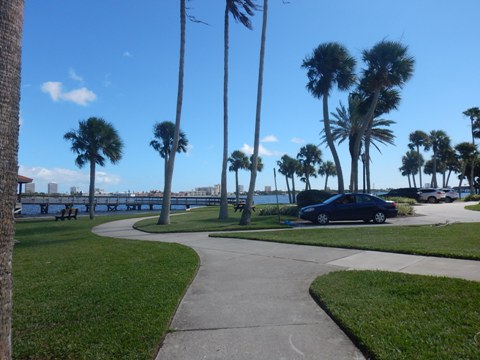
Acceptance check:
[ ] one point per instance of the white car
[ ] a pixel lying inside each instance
(450, 194)
(431, 195)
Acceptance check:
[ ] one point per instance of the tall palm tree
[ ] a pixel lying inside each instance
(388, 66)
(288, 167)
(164, 218)
(11, 25)
(439, 140)
(233, 7)
(308, 157)
(247, 212)
(419, 139)
(238, 161)
(327, 169)
(330, 65)
(163, 142)
(346, 126)
(259, 164)
(94, 142)
(282, 169)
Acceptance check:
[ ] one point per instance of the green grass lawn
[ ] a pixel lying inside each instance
(206, 219)
(398, 316)
(455, 240)
(80, 296)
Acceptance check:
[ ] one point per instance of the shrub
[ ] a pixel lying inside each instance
(311, 197)
(286, 210)
(402, 200)
(405, 209)
(472, 197)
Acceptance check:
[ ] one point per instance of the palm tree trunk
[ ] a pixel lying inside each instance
(11, 24)
(247, 212)
(326, 181)
(331, 145)
(91, 190)
(434, 174)
(288, 190)
(236, 187)
(472, 177)
(164, 218)
(294, 199)
(223, 214)
(419, 166)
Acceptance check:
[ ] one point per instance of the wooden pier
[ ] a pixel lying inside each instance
(112, 203)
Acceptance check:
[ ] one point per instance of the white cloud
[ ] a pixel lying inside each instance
(270, 138)
(127, 54)
(74, 76)
(66, 178)
(81, 96)
(262, 151)
(297, 140)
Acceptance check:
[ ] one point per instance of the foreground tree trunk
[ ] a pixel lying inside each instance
(247, 212)
(164, 218)
(331, 145)
(91, 190)
(11, 24)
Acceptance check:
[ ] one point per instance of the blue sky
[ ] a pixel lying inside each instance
(118, 59)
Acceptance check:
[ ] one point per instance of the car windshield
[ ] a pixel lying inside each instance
(333, 198)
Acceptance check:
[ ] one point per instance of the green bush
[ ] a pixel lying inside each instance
(286, 210)
(405, 209)
(402, 200)
(311, 197)
(474, 197)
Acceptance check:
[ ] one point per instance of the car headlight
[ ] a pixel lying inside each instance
(308, 210)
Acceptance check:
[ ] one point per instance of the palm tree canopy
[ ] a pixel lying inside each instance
(259, 163)
(410, 163)
(388, 65)
(238, 161)
(234, 7)
(164, 135)
(95, 141)
(327, 168)
(310, 154)
(439, 140)
(329, 64)
(419, 139)
(288, 166)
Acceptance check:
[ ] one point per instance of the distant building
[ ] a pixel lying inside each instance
(217, 189)
(30, 188)
(268, 189)
(73, 190)
(241, 189)
(208, 190)
(52, 188)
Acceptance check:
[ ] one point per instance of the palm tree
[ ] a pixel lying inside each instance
(247, 212)
(330, 65)
(238, 161)
(11, 25)
(163, 142)
(419, 139)
(388, 67)
(308, 157)
(94, 142)
(467, 153)
(474, 115)
(439, 140)
(347, 125)
(164, 218)
(288, 167)
(232, 7)
(327, 169)
(410, 166)
(259, 164)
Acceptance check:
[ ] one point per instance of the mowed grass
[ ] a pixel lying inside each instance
(398, 316)
(206, 219)
(81, 296)
(455, 240)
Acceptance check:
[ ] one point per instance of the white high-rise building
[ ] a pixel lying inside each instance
(29, 188)
(52, 188)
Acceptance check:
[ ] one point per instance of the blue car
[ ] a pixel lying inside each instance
(355, 206)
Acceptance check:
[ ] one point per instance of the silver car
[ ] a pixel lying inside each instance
(431, 195)
(450, 194)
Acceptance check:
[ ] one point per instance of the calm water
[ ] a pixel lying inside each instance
(33, 210)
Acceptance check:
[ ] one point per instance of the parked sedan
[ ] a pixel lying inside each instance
(350, 207)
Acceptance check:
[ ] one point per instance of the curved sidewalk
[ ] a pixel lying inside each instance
(250, 299)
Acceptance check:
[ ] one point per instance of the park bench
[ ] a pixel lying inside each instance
(68, 214)
(240, 206)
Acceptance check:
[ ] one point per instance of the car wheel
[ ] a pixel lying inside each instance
(379, 217)
(322, 219)
(448, 199)
(432, 200)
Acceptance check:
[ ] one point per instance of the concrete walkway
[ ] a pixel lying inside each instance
(250, 299)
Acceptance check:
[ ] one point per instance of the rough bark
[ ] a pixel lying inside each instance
(11, 24)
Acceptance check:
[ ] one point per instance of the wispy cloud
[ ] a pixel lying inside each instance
(127, 54)
(269, 139)
(74, 76)
(81, 96)
(297, 140)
